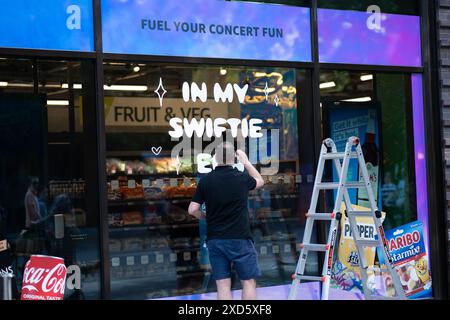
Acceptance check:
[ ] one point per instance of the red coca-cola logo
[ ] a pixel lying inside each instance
(44, 278)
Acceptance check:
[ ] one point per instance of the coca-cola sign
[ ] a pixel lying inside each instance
(44, 278)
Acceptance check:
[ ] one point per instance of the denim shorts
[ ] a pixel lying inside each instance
(239, 252)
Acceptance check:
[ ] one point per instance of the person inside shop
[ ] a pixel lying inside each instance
(31, 240)
(224, 191)
(32, 211)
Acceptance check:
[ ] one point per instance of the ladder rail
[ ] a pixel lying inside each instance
(301, 263)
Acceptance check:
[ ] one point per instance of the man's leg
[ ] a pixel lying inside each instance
(221, 268)
(248, 289)
(247, 267)
(224, 289)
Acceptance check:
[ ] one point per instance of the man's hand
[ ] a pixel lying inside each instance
(242, 157)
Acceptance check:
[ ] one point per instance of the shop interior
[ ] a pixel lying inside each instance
(44, 152)
(156, 249)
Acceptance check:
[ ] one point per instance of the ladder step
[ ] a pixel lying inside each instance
(308, 278)
(368, 243)
(339, 155)
(314, 246)
(321, 216)
(335, 185)
(379, 270)
(361, 213)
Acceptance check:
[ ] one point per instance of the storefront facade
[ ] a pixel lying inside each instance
(94, 169)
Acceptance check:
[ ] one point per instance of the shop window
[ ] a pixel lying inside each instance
(377, 107)
(386, 6)
(156, 249)
(43, 173)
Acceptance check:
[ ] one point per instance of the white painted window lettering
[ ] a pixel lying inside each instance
(73, 22)
(194, 128)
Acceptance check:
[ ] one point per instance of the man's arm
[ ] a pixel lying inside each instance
(194, 210)
(250, 168)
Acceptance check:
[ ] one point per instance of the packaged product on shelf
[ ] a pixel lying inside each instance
(134, 243)
(115, 245)
(179, 191)
(182, 242)
(115, 220)
(159, 242)
(263, 213)
(161, 165)
(153, 193)
(114, 195)
(177, 216)
(151, 215)
(132, 193)
(132, 218)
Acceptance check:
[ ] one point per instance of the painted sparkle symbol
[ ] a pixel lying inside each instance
(266, 91)
(160, 91)
(277, 100)
(178, 164)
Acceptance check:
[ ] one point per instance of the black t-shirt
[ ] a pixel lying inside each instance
(225, 192)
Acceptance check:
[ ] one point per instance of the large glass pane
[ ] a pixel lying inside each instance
(384, 103)
(382, 109)
(43, 171)
(156, 249)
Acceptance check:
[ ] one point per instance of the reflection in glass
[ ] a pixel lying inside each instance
(42, 174)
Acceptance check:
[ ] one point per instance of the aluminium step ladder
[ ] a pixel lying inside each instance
(329, 152)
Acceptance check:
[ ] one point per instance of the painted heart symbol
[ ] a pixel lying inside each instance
(156, 151)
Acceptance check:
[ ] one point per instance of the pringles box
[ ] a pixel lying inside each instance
(410, 260)
(345, 272)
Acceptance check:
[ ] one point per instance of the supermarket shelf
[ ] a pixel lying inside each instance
(163, 276)
(270, 220)
(275, 196)
(135, 228)
(157, 175)
(152, 227)
(144, 202)
(162, 250)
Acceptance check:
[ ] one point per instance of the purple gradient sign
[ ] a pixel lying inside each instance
(209, 29)
(355, 37)
(419, 154)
